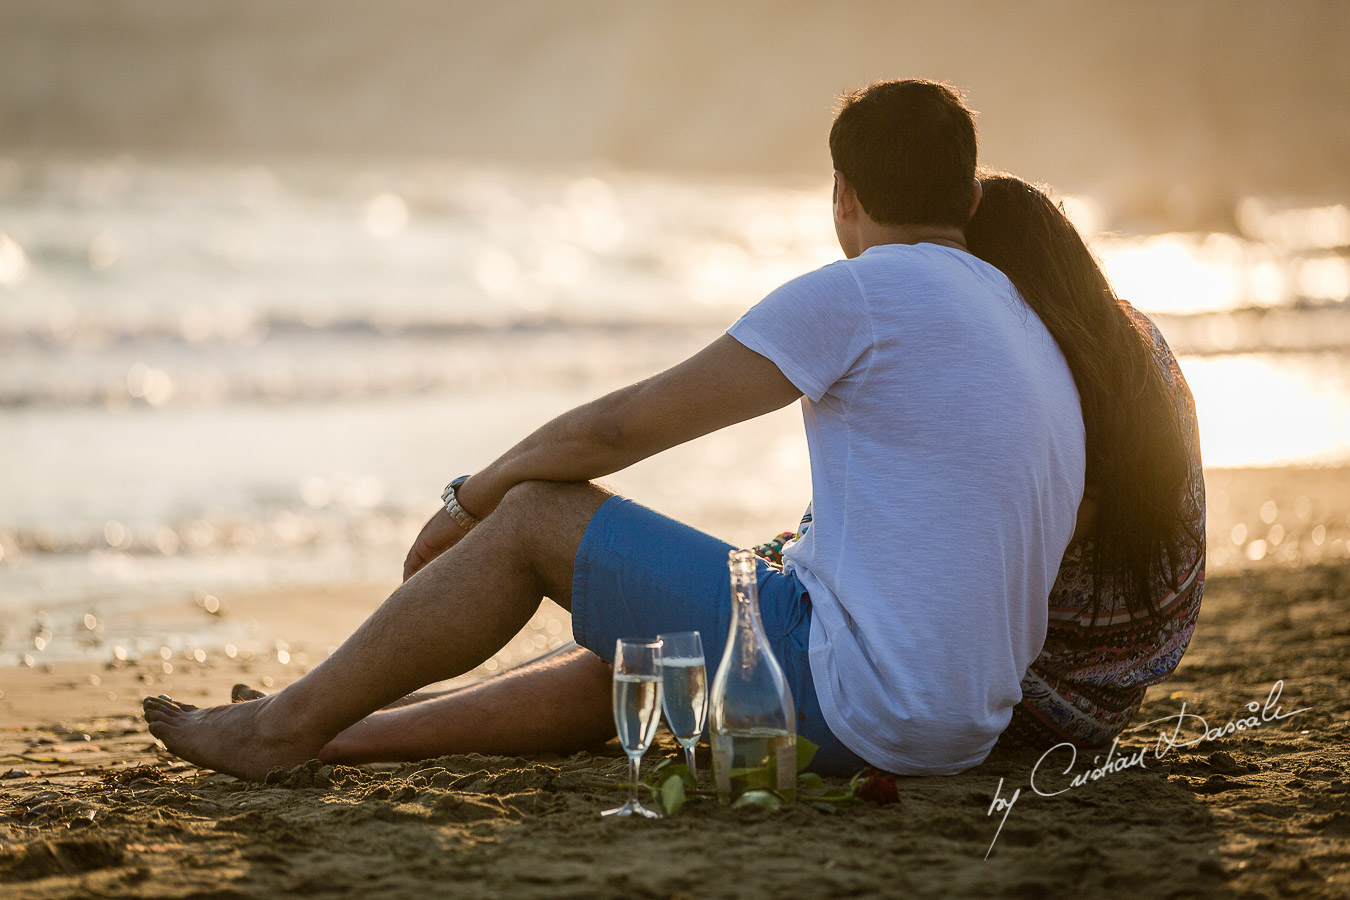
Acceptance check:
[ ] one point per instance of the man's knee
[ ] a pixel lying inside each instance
(537, 496)
(546, 521)
(544, 510)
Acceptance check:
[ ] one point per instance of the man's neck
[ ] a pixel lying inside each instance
(942, 235)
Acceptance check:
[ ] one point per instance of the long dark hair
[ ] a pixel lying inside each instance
(1137, 459)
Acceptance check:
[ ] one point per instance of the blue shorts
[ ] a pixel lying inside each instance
(640, 574)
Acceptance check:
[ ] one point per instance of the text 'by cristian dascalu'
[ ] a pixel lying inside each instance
(1168, 740)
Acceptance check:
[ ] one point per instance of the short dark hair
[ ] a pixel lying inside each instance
(908, 148)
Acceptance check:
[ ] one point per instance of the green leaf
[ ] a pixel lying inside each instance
(823, 807)
(672, 794)
(811, 780)
(655, 776)
(680, 770)
(763, 799)
(840, 795)
(806, 751)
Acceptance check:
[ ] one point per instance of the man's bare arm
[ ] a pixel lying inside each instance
(721, 385)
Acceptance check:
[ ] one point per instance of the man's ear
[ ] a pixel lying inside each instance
(845, 199)
(975, 203)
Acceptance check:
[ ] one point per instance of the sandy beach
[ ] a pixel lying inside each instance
(273, 273)
(93, 806)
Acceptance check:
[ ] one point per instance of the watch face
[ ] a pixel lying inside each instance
(458, 481)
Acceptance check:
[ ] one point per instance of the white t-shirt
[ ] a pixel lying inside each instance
(947, 457)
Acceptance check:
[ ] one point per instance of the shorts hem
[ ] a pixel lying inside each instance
(586, 550)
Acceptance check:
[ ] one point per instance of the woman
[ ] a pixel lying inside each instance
(1124, 605)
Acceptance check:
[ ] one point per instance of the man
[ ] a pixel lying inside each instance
(947, 468)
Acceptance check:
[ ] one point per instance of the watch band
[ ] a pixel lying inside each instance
(462, 517)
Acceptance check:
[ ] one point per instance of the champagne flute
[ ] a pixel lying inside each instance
(685, 690)
(637, 711)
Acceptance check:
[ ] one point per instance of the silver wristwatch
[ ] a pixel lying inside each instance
(461, 516)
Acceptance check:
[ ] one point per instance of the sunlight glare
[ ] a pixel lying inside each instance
(13, 261)
(1308, 228)
(1174, 273)
(1326, 278)
(1262, 410)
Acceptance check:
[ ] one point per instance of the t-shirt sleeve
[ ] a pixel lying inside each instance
(815, 328)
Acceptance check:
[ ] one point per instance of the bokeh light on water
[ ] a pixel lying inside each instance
(1282, 286)
(1192, 273)
(1282, 257)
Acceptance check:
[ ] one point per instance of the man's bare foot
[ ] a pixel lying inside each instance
(240, 739)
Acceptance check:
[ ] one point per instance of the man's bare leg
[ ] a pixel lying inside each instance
(423, 696)
(557, 704)
(453, 614)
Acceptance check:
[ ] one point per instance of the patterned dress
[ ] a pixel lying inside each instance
(1090, 677)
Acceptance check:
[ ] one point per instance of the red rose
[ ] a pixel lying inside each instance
(876, 786)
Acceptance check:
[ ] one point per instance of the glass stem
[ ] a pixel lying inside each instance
(633, 763)
(689, 761)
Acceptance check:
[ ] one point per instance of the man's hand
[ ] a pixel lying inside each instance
(439, 534)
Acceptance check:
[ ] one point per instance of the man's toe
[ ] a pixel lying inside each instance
(156, 709)
(164, 701)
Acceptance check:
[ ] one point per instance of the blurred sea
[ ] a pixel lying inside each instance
(218, 378)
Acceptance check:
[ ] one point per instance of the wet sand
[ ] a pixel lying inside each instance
(90, 805)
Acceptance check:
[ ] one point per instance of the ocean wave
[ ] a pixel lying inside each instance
(1302, 327)
(283, 359)
(341, 361)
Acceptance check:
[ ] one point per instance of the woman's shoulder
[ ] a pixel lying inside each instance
(1148, 329)
(1164, 357)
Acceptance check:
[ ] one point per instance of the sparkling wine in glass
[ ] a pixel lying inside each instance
(685, 689)
(637, 711)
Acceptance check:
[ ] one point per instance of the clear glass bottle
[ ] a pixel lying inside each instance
(751, 717)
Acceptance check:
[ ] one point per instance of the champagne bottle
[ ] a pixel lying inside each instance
(751, 716)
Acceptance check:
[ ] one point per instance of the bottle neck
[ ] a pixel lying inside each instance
(746, 626)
